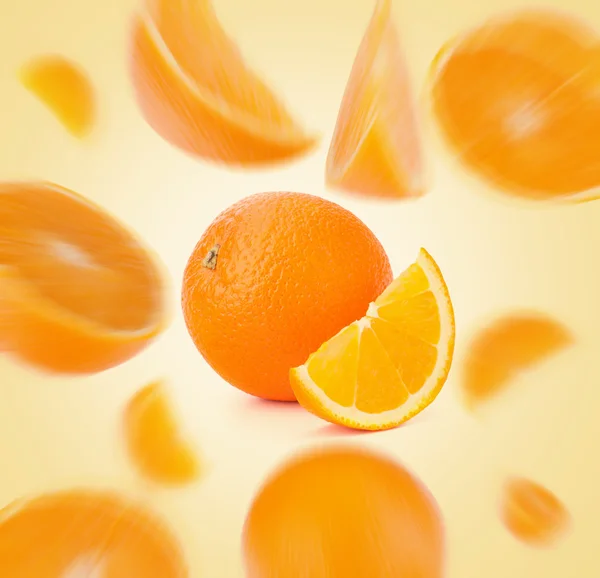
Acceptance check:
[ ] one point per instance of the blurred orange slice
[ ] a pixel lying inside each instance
(516, 100)
(532, 513)
(195, 90)
(388, 366)
(65, 89)
(512, 344)
(77, 533)
(154, 441)
(376, 150)
(78, 292)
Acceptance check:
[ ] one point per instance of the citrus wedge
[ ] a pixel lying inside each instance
(510, 345)
(376, 149)
(388, 366)
(79, 293)
(195, 90)
(65, 89)
(154, 440)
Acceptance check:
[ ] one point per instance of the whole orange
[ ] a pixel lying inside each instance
(273, 277)
(343, 513)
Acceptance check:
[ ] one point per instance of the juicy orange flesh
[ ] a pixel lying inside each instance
(154, 438)
(511, 344)
(192, 33)
(515, 102)
(71, 532)
(65, 89)
(376, 368)
(531, 512)
(375, 149)
(76, 257)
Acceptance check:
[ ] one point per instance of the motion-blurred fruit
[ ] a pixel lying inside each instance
(78, 292)
(154, 439)
(65, 89)
(388, 366)
(376, 150)
(274, 276)
(341, 513)
(532, 513)
(518, 101)
(510, 345)
(86, 533)
(195, 90)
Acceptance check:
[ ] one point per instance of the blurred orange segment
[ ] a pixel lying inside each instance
(509, 345)
(195, 90)
(154, 440)
(515, 102)
(343, 512)
(65, 89)
(533, 514)
(78, 292)
(376, 150)
(78, 533)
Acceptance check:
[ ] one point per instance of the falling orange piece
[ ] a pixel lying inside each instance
(76, 533)
(508, 346)
(376, 150)
(517, 100)
(532, 513)
(65, 89)
(79, 293)
(195, 90)
(154, 441)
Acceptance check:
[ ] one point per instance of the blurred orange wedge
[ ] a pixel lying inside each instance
(376, 150)
(65, 89)
(154, 441)
(78, 292)
(511, 344)
(195, 90)
(388, 366)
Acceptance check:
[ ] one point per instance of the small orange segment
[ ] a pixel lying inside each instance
(343, 512)
(65, 89)
(388, 366)
(76, 533)
(532, 513)
(195, 90)
(79, 293)
(517, 100)
(154, 441)
(376, 149)
(511, 344)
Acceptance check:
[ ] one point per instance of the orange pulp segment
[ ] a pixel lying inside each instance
(154, 441)
(514, 100)
(65, 89)
(512, 344)
(78, 292)
(196, 91)
(532, 513)
(86, 533)
(388, 366)
(376, 149)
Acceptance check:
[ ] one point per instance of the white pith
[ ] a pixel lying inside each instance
(416, 401)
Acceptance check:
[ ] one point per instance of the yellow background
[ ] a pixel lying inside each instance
(57, 432)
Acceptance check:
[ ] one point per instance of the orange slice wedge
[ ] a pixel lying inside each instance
(79, 293)
(65, 89)
(154, 441)
(195, 90)
(388, 366)
(376, 150)
(86, 533)
(510, 345)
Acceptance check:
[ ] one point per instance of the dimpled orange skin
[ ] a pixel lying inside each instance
(343, 513)
(292, 270)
